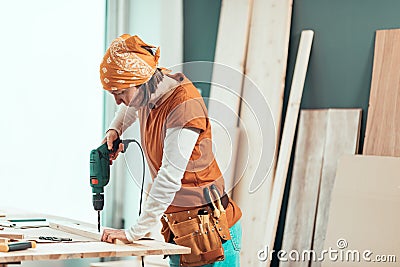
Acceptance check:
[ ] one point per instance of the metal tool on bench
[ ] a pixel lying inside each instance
(100, 172)
(55, 239)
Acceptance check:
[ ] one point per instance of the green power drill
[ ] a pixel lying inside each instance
(100, 172)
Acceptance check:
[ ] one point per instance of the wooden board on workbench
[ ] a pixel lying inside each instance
(78, 229)
(323, 137)
(364, 212)
(11, 235)
(382, 134)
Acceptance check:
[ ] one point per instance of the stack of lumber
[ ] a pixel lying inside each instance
(258, 49)
(350, 206)
(365, 199)
(319, 146)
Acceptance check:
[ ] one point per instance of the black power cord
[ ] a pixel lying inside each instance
(126, 142)
(143, 177)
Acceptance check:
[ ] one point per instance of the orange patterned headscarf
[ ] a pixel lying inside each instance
(127, 63)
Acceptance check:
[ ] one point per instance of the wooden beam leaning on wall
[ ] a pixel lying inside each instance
(265, 71)
(227, 83)
(323, 137)
(382, 136)
(289, 130)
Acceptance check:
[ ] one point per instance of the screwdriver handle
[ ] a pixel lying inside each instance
(14, 246)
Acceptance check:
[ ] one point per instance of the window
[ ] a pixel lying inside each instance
(51, 104)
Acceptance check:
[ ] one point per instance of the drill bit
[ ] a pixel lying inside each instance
(98, 221)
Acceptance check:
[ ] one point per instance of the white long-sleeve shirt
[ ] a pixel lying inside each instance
(178, 147)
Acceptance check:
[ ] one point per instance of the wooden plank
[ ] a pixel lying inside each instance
(230, 51)
(289, 129)
(12, 235)
(89, 231)
(78, 229)
(306, 176)
(364, 209)
(265, 69)
(323, 137)
(227, 82)
(343, 133)
(382, 135)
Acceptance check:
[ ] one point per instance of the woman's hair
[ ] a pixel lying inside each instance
(146, 89)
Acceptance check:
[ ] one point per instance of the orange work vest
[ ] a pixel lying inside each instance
(184, 107)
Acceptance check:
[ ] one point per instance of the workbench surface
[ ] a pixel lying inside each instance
(81, 247)
(62, 251)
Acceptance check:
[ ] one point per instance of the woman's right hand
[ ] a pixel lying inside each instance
(111, 136)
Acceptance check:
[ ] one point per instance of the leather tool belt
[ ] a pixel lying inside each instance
(201, 230)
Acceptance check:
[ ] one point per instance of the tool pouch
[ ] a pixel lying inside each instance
(202, 234)
(221, 225)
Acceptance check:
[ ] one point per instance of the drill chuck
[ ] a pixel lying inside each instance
(98, 201)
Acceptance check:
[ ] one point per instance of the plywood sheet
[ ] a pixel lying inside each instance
(265, 69)
(323, 137)
(364, 209)
(382, 135)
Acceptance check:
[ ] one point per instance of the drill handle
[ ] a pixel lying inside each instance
(125, 142)
(116, 145)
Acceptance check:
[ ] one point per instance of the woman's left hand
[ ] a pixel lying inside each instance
(110, 234)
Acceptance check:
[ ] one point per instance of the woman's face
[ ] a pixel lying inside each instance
(125, 95)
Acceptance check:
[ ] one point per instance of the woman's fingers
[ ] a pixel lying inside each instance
(113, 156)
(111, 136)
(109, 235)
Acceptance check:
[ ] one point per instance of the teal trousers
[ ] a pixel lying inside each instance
(231, 250)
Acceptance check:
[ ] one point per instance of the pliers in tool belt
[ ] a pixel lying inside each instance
(210, 194)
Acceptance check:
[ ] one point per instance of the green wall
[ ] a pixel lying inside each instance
(339, 73)
(200, 34)
(340, 68)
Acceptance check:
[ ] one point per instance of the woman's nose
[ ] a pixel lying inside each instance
(117, 99)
